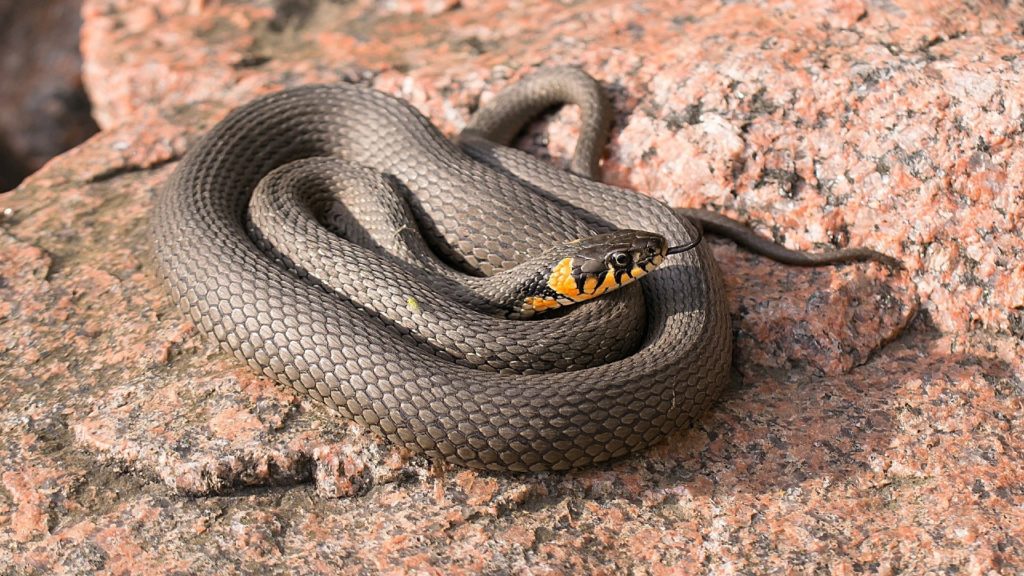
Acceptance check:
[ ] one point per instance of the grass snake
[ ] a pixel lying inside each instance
(386, 306)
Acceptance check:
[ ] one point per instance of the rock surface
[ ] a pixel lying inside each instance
(875, 422)
(43, 107)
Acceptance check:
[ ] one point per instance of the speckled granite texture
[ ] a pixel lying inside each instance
(874, 425)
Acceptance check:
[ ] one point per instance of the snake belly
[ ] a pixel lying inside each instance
(480, 218)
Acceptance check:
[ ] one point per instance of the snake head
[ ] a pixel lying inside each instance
(597, 265)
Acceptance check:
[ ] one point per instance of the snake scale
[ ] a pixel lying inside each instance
(588, 384)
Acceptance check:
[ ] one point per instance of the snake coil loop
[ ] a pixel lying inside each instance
(402, 358)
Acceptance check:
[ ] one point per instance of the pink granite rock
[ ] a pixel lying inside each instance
(857, 438)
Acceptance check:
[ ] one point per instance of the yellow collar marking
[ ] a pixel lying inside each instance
(563, 282)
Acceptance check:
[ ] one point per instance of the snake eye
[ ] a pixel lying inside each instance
(619, 259)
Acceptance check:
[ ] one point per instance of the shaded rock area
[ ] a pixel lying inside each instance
(874, 425)
(43, 106)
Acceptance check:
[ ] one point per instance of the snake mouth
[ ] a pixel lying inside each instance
(649, 252)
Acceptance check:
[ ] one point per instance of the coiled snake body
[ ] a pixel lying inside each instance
(397, 357)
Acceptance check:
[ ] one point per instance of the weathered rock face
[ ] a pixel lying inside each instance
(858, 437)
(43, 108)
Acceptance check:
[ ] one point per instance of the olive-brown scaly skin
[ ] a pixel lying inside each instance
(373, 371)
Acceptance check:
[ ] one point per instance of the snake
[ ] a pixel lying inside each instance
(466, 300)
